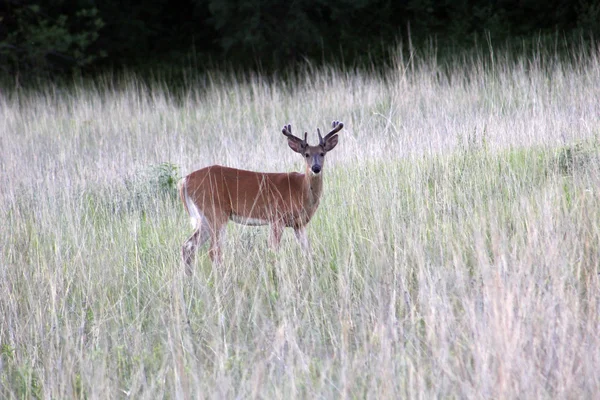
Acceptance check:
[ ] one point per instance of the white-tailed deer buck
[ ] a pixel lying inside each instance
(214, 195)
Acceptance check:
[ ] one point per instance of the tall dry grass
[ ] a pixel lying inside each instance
(455, 252)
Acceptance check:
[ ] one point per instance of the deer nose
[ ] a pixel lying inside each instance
(316, 169)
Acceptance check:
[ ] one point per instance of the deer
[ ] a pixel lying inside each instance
(215, 195)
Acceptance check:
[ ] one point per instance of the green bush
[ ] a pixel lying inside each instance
(37, 41)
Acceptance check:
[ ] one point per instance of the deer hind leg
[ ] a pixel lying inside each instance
(198, 238)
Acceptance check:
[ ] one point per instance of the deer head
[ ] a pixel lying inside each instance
(314, 156)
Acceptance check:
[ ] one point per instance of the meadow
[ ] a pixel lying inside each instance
(455, 253)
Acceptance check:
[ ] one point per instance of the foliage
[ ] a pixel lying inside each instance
(575, 157)
(68, 35)
(151, 185)
(281, 33)
(34, 39)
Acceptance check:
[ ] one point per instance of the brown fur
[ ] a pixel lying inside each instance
(220, 194)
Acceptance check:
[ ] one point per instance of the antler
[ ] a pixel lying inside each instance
(287, 131)
(336, 125)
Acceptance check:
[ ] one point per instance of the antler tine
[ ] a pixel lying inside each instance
(336, 125)
(287, 130)
(321, 141)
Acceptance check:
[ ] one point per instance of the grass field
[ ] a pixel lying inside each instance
(455, 253)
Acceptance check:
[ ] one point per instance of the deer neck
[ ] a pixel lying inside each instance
(314, 187)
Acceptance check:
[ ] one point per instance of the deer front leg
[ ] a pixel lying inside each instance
(302, 239)
(275, 237)
(216, 244)
(217, 228)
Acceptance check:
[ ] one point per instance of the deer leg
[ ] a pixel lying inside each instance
(217, 236)
(188, 250)
(302, 238)
(275, 237)
(198, 238)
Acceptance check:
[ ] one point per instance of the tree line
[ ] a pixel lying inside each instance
(63, 36)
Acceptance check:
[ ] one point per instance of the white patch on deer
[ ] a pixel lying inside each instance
(248, 221)
(196, 216)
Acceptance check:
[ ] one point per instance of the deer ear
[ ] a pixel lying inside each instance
(295, 145)
(331, 143)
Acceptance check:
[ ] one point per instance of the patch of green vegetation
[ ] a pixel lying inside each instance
(154, 182)
(20, 381)
(575, 157)
(444, 201)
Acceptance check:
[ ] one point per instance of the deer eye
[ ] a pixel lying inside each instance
(307, 155)
(322, 154)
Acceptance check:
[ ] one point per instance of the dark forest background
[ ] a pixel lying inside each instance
(64, 36)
